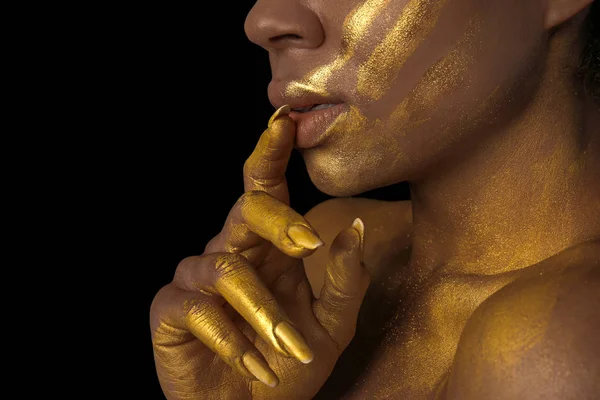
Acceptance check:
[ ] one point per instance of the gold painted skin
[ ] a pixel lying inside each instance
(432, 301)
(415, 22)
(278, 343)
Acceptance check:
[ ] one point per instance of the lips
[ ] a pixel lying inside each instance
(312, 126)
(313, 112)
(305, 102)
(314, 107)
(301, 99)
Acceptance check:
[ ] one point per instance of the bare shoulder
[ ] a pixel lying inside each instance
(537, 337)
(387, 224)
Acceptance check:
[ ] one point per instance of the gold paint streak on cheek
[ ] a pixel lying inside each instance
(416, 22)
(359, 21)
(439, 81)
(452, 71)
(400, 115)
(352, 123)
(355, 28)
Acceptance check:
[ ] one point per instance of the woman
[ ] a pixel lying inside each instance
(484, 286)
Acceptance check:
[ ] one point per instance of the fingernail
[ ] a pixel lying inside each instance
(359, 226)
(283, 110)
(304, 237)
(294, 342)
(260, 370)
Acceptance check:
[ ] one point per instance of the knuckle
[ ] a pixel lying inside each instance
(339, 287)
(259, 172)
(199, 273)
(251, 195)
(253, 169)
(228, 264)
(159, 308)
(158, 300)
(223, 341)
(183, 266)
(266, 182)
(198, 312)
(248, 166)
(194, 272)
(212, 243)
(243, 200)
(265, 305)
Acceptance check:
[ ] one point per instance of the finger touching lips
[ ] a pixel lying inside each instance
(265, 168)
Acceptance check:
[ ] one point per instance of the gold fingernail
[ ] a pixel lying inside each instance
(262, 372)
(294, 342)
(283, 110)
(304, 237)
(359, 226)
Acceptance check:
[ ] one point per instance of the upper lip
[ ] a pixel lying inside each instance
(300, 98)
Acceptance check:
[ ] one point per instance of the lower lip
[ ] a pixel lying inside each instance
(312, 125)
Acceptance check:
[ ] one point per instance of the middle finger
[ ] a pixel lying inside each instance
(233, 278)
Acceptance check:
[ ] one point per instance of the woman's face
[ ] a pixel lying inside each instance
(419, 81)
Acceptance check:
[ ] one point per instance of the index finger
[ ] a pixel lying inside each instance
(265, 168)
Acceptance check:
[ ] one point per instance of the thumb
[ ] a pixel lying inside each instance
(346, 282)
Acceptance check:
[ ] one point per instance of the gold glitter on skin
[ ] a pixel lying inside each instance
(417, 20)
(503, 198)
(355, 28)
(439, 80)
(430, 336)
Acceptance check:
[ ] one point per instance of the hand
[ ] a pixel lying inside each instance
(239, 321)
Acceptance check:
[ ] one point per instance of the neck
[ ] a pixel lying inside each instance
(524, 194)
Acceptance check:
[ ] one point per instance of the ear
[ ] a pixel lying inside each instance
(559, 11)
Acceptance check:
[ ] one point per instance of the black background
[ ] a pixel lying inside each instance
(181, 101)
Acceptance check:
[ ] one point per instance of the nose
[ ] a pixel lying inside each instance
(280, 24)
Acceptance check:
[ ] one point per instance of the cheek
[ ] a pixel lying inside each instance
(469, 71)
(476, 67)
(442, 48)
(389, 141)
(398, 46)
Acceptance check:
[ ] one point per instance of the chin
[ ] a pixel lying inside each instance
(335, 188)
(341, 179)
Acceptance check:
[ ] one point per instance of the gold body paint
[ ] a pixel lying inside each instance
(376, 75)
(417, 346)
